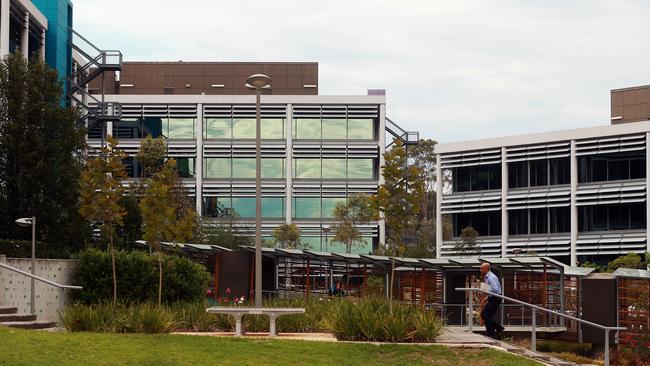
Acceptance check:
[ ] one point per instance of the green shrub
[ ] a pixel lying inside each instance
(23, 249)
(137, 277)
(582, 349)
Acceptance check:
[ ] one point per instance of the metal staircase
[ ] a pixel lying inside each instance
(406, 137)
(92, 63)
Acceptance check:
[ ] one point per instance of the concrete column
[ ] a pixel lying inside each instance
(198, 165)
(24, 38)
(380, 176)
(439, 194)
(109, 128)
(574, 208)
(42, 51)
(289, 165)
(4, 27)
(504, 202)
(647, 187)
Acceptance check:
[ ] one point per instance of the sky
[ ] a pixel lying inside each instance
(453, 70)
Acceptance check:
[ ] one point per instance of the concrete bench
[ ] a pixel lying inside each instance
(239, 312)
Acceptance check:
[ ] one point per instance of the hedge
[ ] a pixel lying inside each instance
(137, 277)
(23, 249)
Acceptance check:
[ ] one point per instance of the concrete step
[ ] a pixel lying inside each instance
(32, 324)
(17, 317)
(6, 309)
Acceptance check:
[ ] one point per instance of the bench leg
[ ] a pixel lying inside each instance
(272, 332)
(238, 332)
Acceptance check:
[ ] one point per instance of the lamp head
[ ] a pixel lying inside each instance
(258, 81)
(24, 222)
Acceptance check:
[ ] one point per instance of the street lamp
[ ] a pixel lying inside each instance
(257, 82)
(26, 222)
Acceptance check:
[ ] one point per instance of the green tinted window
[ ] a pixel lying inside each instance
(153, 126)
(181, 128)
(216, 206)
(218, 128)
(244, 206)
(365, 248)
(217, 168)
(328, 205)
(312, 242)
(272, 128)
(307, 168)
(306, 128)
(306, 207)
(243, 168)
(334, 129)
(334, 168)
(360, 169)
(185, 167)
(273, 168)
(243, 128)
(360, 129)
(273, 207)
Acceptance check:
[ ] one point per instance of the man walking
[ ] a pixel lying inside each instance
(493, 328)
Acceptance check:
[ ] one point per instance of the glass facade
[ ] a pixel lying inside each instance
(485, 223)
(242, 168)
(243, 128)
(619, 166)
(539, 221)
(334, 129)
(476, 178)
(334, 168)
(185, 167)
(626, 216)
(539, 173)
(137, 128)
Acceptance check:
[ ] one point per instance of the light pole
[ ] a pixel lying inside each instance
(25, 222)
(258, 81)
(326, 230)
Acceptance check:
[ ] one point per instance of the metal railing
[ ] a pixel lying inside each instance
(534, 308)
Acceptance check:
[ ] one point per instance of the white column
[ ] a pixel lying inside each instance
(198, 165)
(24, 38)
(4, 27)
(380, 177)
(647, 188)
(42, 51)
(574, 208)
(504, 202)
(289, 165)
(109, 128)
(439, 193)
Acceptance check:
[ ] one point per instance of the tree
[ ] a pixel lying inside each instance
(423, 156)
(630, 260)
(467, 245)
(221, 232)
(151, 155)
(287, 236)
(39, 155)
(101, 190)
(398, 200)
(349, 215)
(161, 220)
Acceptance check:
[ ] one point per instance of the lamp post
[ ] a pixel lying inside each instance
(326, 230)
(257, 82)
(25, 222)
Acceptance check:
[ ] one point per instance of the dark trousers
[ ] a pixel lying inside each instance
(491, 326)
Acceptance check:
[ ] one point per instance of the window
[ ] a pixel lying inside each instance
(152, 126)
(217, 206)
(307, 128)
(243, 168)
(630, 216)
(360, 129)
(477, 178)
(244, 206)
(560, 219)
(181, 128)
(185, 167)
(538, 221)
(334, 169)
(619, 166)
(312, 242)
(485, 223)
(307, 168)
(272, 207)
(518, 222)
(217, 168)
(334, 129)
(328, 204)
(361, 169)
(559, 171)
(218, 128)
(306, 207)
(243, 128)
(518, 174)
(130, 128)
(272, 128)
(538, 173)
(272, 168)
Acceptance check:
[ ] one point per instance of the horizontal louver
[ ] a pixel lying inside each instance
(610, 145)
(472, 158)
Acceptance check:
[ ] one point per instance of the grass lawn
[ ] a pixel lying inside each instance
(22, 347)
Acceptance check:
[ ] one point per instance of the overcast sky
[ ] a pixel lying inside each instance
(453, 70)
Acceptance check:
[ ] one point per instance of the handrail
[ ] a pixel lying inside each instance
(533, 341)
(41, 279)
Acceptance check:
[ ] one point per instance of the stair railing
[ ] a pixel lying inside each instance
(533, 336)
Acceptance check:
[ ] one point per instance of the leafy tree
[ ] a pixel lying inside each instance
(288, 236)
(101, 191)
(39, 155)
(423, 156)
(630, 260)
(467, 245)
(398, 200)
(356, 211)
(151, 155)
(221, 232)
(162, 221)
